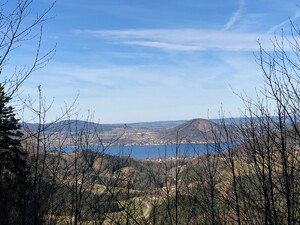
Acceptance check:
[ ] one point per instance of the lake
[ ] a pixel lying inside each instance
(161, 151)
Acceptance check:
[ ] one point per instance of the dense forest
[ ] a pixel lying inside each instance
(256, 181)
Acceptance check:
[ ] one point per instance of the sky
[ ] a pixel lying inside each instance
(140, 60)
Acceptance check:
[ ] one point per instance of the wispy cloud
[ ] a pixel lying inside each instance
(165, 46)
(111, 89)
(281, 25)
(236, 16)
(182, 39)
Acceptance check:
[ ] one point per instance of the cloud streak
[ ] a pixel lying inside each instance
(236, 16)
(183, 39)
(281, 25)
(165, 46)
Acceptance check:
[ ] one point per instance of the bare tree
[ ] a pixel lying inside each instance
(17, 27)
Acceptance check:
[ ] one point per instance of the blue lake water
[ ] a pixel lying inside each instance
(161, 151)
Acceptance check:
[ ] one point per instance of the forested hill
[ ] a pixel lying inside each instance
(196, 131)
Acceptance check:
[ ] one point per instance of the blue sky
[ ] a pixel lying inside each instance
(141, 60)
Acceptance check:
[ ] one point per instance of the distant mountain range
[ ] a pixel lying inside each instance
(143, 133)
(73, 125)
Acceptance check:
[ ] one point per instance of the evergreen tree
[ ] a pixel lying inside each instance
(12, 164)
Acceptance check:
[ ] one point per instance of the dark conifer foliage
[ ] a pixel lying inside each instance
(12, 163)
